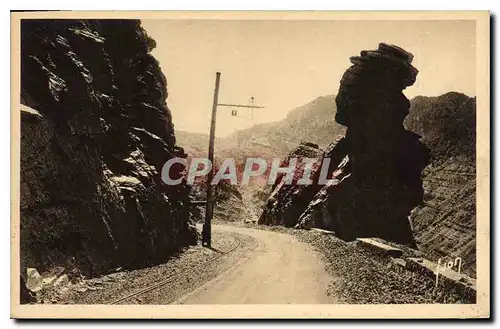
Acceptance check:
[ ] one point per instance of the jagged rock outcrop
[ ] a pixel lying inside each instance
(287, 202)
(95, 133)
(378, 172)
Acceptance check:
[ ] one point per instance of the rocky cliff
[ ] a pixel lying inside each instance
(445, 225)
(95, 133)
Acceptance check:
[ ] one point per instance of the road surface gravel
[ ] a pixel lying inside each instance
(281, 270)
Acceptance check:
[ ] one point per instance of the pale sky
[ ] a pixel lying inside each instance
(286, 64)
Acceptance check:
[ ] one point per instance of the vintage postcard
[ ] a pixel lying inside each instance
(250, 164)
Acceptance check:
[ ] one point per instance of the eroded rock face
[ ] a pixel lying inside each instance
(95, 133)
(288, 202)
(378, 164)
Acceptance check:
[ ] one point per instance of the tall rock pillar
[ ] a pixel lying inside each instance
(385, 160)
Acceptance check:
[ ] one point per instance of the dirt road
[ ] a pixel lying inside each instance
(280, 270)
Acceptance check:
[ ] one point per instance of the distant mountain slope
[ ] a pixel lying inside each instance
(447, 123)
(194, 144)
(445, 227)
(313, 122)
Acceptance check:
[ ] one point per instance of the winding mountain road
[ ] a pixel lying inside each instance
(281, 270)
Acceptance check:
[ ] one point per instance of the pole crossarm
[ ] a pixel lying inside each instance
(237, 105)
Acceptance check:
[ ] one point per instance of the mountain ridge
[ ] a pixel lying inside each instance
(278, 136)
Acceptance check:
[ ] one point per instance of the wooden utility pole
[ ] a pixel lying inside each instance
(207, 226)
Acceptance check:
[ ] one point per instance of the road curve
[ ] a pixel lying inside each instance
(281, 270)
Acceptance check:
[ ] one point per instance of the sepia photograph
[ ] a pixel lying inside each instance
(250, 164)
